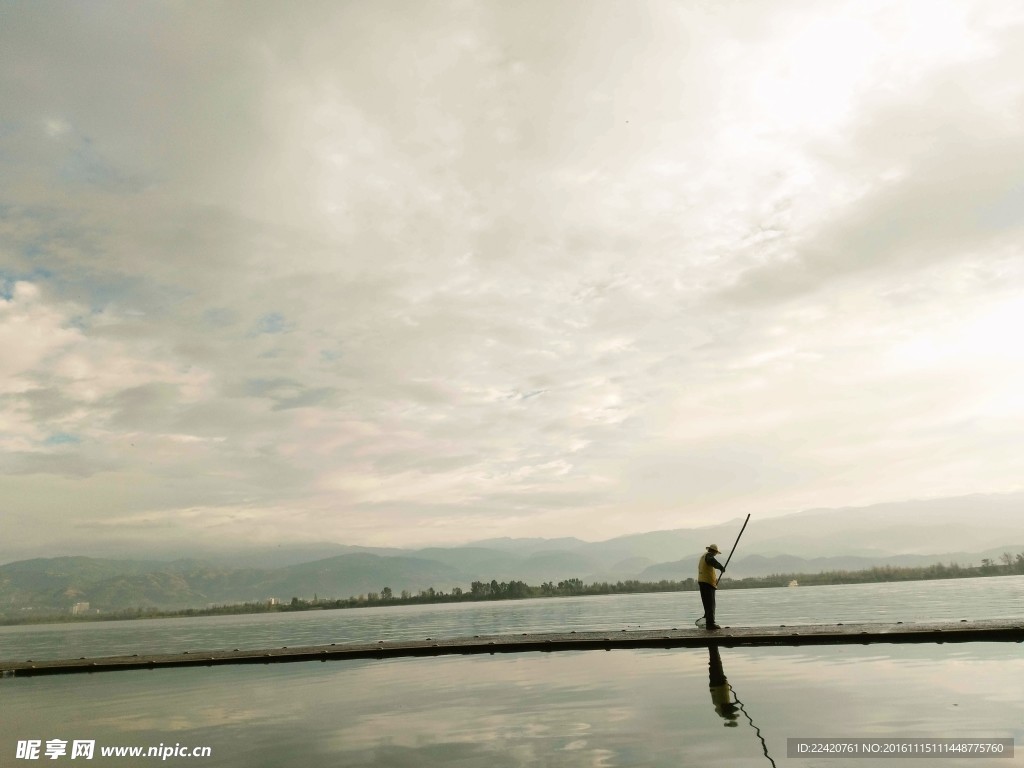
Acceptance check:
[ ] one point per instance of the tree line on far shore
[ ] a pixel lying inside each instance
(1007, 565)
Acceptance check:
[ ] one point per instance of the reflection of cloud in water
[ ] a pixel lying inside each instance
(202, 717)
(197, 699)
(545, 716)
(624, 707)
(464, 727)
(560, 704)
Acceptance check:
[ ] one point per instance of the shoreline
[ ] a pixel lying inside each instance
(576, 590)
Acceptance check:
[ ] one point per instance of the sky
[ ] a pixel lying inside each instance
(404, 273)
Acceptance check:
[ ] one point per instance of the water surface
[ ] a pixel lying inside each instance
(639, 707)
(624, 707)
(953, 599)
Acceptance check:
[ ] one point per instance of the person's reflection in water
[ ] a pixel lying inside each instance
(725, 699)
(721, 691)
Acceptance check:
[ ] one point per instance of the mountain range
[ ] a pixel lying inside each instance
(963, 530)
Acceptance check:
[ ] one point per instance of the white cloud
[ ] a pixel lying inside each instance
(30, 333)
(454, 272)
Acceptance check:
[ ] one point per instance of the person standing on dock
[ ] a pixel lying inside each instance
(707, 581)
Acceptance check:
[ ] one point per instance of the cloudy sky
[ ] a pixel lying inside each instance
(402, 273)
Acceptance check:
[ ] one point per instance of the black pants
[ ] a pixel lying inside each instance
(707, 596)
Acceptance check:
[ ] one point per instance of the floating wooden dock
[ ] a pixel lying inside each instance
(815, 634)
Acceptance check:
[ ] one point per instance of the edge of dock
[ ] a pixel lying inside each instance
(992, 630)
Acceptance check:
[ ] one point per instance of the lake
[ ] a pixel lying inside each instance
(637, 707)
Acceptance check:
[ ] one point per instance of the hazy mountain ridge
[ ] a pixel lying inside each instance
(190, 584)
(964, 530)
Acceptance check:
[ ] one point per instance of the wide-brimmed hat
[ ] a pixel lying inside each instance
(714, 548)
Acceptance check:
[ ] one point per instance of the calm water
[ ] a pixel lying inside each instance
(641, 707)
(985, 598)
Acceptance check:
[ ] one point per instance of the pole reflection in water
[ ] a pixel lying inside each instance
(722, 694)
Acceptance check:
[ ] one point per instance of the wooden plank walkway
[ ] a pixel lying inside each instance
(815, 634)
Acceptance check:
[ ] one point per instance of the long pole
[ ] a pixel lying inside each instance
(737, 542)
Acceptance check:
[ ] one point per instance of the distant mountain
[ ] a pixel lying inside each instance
(61, 580)
(502, 565)
(189, 589)
(108, 585)
(964, 530)
(54, 586)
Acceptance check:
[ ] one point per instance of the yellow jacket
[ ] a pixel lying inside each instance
(706, 570)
